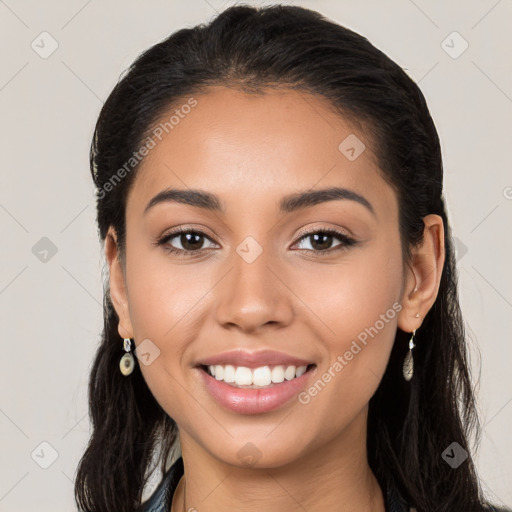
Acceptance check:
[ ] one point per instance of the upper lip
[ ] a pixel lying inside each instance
(254, 359)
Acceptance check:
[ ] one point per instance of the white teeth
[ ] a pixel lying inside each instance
(257, 377)
(289, 373)
(300, 371)
(243, 376)
(229, 373)
(219, 372)
(262, 376)
(278, 374)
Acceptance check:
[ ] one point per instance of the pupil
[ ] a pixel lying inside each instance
(325, 244)
(186, 238)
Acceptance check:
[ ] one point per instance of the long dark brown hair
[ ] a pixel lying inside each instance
(410, 423)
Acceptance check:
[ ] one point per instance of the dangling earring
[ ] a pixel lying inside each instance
(408, 366)
(127, 363)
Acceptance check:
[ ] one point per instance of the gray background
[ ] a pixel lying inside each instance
(52, 264)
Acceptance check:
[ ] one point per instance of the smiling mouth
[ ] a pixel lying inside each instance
(256, 378)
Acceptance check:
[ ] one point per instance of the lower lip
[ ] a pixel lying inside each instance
(254, 401)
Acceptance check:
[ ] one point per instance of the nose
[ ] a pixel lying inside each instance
(253, 295)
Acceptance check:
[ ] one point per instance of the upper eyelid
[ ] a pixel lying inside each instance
(180, 230)
(311, 231)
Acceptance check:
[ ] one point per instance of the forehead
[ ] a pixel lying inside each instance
(256, 148)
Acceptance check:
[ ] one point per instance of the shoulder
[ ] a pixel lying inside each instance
(161, 499)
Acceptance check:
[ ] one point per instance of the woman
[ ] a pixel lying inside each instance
(281, 264)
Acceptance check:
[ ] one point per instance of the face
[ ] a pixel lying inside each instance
(319, 280)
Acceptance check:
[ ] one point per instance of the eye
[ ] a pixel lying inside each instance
(321, 240)
(189, 241)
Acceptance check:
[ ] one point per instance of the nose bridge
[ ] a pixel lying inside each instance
(251, 295)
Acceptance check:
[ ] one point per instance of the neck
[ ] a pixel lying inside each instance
(335, 476)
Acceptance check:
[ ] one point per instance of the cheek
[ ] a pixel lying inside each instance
(162, 309)
(161, 295)
(355, 306)
(349, 296)
(163, 302)
(355, 313)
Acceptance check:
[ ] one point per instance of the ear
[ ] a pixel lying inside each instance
(423, 275)
(118, 291)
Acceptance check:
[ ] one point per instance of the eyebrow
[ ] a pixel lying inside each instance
(288, 204)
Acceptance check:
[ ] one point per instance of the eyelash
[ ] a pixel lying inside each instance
(345, 239)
